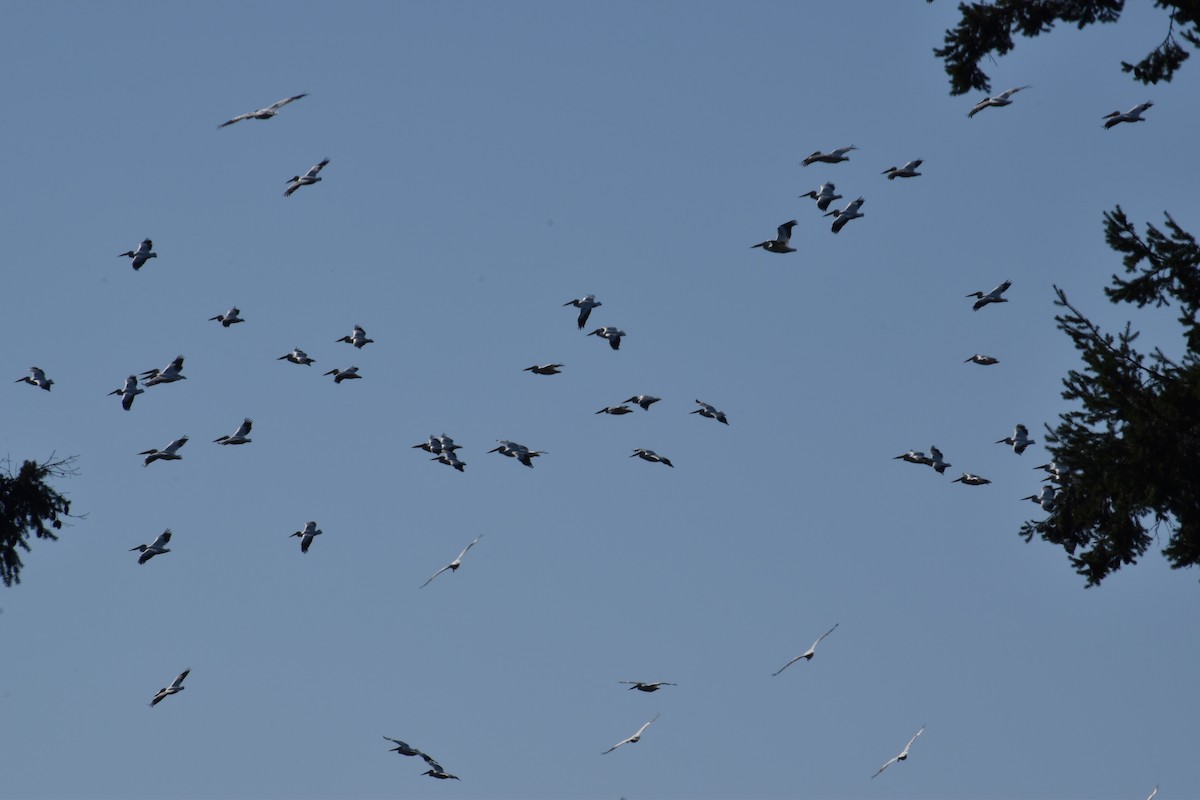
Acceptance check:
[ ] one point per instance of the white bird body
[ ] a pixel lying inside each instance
(451, 459)
(903, 753)
(971, 480)
(848, 213)
(1019, 439)
(994, 296)
(518, 451)
(644, 400)
(358, 338)
(309, 532)
(128, 392)
(1045, 499)
(175, 688)
(438, 444)
(808, 654)
(936, 461)
(264, 113)
(909, 170)
(307, 179)
(453, 565)
(632, 739)
(780, 244)
(339, 375)
(832, 157)
(298, 356)
(824, 195)
(651, 456)
(709, 411)
(1132, 115)
(156, 548)
(37, 377)
(169, 374)
(986, 361)
(240, 436)
(613, 335)
(141, 255)
(915, 457)
(1002, 99)
(230, 317)
(616, 411)
(585, 306)
(168, 453)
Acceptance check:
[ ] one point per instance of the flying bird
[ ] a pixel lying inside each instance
(453, 565)
(450, 459)
(310, 532)
(823, 195)
(915, 457)
(644, 400)
(358, 338)
(783, 235)
(264, 113)
(902, 755)
(230, 317)
(156, 548)
(909, 170)
(807, 654)
(141, 255)
(1002, 99)
(240, 436)
(632, 739)
(518, 451)
(647, 687)
(307, 179)
(585, 306)
(544, 369)
(832, 157)
(128, 392)
(436, 771)
(1132, 115)
(175, 688)
(613, 335)
(971, 480)
(37, 377)
(1019, 439)
(848, 213)
(1045, 499)
(438, 445)
(986, 361)
(298, 356)
(169, 374)
(994, 296)
(707, 410)
(936, 461)
(616, 411)
(404, 749)
(166, 454)
(1053, 472)
(339, 375)
(650, 455)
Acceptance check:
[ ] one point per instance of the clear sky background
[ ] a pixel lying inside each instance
(490, 162)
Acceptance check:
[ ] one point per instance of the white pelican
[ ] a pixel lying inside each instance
(168, 374)
(585, 306)
(240, 436)
(644, 400)
(310, 532)
(453, 565)
(166, 454)
(936, 461)
(832, 157)
(986, 361)
(438, 445)
(128, 392)
(141, 255)
(809, 653)
(297, 356)
(1002, 99)
(612, 334)
(915, 457)
(36, 377)
(848, 213)
(648, 687)
(307, 179)
(436, 771)
(783, 235)
(616, 411)
(991, 297)
(264, 113)
(175, 688)
(544, 369)
(404, 749)
(650, 455)
(1132, 115)
(339, 375)
(971, 480)
(158, 547)
(903, 753)
(358, 338)
(632, 739)
(909, 170)
(1045, 499)
(1053, 471)
(707, 410)
(450, 459)
(518, 451)
(824, 196)
(230, 317)
(1019, 439)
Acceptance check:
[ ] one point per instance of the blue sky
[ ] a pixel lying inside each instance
(488, 163)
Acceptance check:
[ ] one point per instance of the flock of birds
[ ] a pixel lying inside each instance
(443, 449)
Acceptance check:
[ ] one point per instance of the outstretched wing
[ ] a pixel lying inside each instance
(285, 101)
